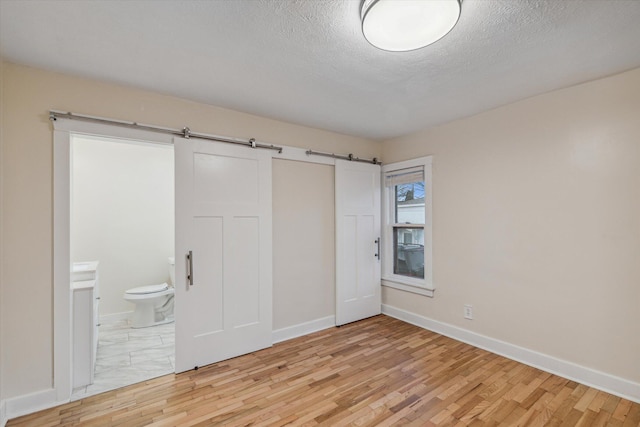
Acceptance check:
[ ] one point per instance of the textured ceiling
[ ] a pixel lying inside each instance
(306, 61)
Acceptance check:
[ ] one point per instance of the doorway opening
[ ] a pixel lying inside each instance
(122, 242)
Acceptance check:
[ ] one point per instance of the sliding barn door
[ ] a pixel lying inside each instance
(223, 251)
(357, 241)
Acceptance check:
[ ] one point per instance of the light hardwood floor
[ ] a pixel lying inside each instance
(378, 371)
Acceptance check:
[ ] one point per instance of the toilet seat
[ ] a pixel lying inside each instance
(150, 292)
(150, 289)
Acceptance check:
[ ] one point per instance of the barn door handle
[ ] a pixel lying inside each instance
(190, 268)
(377, 242)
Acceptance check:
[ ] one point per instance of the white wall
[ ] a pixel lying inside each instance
(303, 242)
(536, 223)
(122, 214)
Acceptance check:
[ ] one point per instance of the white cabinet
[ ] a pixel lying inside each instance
(86, 298)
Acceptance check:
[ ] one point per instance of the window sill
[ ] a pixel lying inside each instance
(420, 290)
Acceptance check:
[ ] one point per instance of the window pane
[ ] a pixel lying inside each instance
(408, 251)
(410, 203)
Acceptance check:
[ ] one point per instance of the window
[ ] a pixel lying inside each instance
(407, 226)
(408, 221)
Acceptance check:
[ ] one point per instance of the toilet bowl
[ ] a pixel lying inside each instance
(154, 303)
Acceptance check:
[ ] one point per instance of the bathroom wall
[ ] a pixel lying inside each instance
(536, 223)
(27, 191)
(122, 215)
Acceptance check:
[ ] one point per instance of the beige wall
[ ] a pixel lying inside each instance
(1, 234)
(536, 223)
(122, 215)
(26, 286)
(303, 243)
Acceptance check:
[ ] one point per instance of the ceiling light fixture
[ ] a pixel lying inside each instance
(402, 25)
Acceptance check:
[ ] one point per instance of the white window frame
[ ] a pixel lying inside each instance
(389, 279)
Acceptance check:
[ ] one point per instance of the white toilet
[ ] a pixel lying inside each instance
(154, 303)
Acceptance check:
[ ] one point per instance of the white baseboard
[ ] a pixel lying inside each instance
(3, 412)
(30, 403)
(115, 317)
(303, 329)
(602, 381)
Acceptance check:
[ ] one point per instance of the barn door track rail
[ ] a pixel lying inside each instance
(185, 132)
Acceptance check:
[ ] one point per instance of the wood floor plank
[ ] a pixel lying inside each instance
(379, 371)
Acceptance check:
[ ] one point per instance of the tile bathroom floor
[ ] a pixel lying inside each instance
(128, 356)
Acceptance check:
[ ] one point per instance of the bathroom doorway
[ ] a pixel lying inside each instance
(122, 218)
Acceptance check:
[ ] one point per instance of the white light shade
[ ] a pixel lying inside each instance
(401, 25)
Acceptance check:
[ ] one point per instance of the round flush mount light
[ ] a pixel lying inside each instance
(402, 25)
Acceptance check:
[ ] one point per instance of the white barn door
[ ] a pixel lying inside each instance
(357, 241)
(223, 251)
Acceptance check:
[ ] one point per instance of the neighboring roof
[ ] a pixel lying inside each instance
(419, 201)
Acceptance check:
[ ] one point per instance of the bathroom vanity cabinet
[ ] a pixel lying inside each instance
(86, 299)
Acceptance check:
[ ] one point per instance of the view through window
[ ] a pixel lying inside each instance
(408, 230)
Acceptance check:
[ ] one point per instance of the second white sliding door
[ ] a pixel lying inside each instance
(357, 241)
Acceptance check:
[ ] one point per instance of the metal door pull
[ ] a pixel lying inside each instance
(190, 268)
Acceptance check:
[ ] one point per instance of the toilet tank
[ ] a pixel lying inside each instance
(172, 270)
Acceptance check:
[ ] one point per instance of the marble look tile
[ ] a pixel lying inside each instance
(129, 346)
(98, 388)
(140, 356)
(133, 374)
(112, 362)
(168, 328)
(160, 364)
(128, 356)
(168, 338)
(135, 334)
(113, 337)
(120, 324)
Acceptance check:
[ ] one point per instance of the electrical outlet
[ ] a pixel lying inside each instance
(468, 311)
